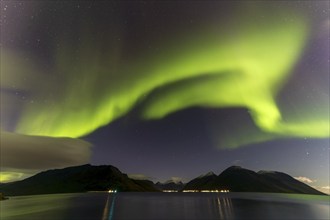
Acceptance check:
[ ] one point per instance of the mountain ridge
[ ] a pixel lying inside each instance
(238, 179)
(88, 177)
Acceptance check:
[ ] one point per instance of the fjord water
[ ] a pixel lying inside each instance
(112, 206)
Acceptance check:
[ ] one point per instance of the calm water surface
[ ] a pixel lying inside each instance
(106, 206)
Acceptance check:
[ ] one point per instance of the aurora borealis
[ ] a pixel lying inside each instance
(74, 70)
(243, 76)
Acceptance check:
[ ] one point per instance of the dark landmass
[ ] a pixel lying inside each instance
(146, 185)
(2, 197)
(77, 179)
(238, 179)
(201, 182)
(106, 177)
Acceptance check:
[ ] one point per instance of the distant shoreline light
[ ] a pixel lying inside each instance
(169, 191)
(204, 191)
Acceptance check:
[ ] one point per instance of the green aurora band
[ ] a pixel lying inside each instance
(244, 66)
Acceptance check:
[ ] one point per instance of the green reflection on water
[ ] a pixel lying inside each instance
(27, 205)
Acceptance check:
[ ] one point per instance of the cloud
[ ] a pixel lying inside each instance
(177, 179)
(22, 154)
(305, 179)
(324, 189)
(237, 162)
(139, 177)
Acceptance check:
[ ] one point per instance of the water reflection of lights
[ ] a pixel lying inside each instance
(108, 211)
(225, 208)
(112, 207)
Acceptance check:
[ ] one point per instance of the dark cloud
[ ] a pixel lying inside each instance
(40, 153)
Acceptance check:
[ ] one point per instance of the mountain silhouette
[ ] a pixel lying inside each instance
(238, 179)
(76, 179)
(86, 178)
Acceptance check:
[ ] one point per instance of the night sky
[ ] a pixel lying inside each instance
(166, 89)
